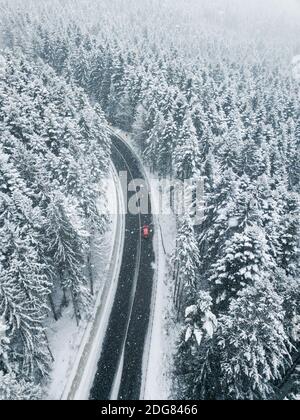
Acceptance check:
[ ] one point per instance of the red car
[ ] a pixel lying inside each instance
(146, 231)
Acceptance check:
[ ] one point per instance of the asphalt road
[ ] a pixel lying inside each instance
(129, 319)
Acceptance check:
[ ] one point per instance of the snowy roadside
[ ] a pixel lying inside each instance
(76, 349)
(156, 382)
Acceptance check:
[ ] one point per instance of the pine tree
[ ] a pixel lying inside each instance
(254, 159)
(253, 344)
(79, 68)
(245, 259)
(196, 360)
(216, 227)
(289, 235)
(230, 150)
(124, 112)
(294, 159)
(180, 110)
(143, 125)
(269, 203)
(153, 142)
(23, 294)
(166, 147)
(66, 247)
(96, 73)
(185, 261)
(186, 154)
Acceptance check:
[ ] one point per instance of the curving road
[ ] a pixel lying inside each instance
(119, 373)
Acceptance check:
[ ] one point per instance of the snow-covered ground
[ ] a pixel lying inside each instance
(67, 340)
(162, 336)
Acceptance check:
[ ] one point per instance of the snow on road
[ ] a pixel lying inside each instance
(161, 335)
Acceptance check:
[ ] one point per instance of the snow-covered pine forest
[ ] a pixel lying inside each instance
(49, 185)
(207, 89)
